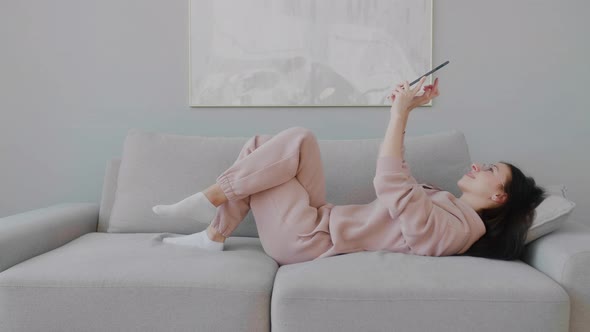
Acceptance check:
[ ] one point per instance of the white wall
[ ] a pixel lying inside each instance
(76, 75)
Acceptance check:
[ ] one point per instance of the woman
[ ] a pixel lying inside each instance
(281, 179)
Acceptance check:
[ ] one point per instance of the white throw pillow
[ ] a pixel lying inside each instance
(551, 213)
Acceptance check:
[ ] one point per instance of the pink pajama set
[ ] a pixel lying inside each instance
(281, 179)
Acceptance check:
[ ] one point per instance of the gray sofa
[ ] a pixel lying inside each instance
(62, 270)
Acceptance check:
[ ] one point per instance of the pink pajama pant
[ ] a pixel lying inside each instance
(281, 178)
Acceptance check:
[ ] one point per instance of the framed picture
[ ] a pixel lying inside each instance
(306, 53)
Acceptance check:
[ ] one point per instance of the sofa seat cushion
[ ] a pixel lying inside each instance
(132, 282)
(381, 291)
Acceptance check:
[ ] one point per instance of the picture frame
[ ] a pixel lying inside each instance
(285, 53)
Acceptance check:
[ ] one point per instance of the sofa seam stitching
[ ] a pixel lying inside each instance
(415, 299)
(106, 287)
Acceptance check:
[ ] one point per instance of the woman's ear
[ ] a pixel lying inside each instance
(500, 198)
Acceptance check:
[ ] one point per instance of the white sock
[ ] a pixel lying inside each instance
(196, 207)
(198, 240)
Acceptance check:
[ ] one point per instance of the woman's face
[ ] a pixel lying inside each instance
(486, 182)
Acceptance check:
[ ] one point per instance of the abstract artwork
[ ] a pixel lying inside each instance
(295, 53)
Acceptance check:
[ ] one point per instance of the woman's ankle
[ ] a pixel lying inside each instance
(215, 195)
(214, 235)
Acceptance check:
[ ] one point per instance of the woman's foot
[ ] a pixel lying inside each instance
(196, 207)
(197, 240)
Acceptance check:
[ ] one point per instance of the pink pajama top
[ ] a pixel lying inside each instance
(406, 217)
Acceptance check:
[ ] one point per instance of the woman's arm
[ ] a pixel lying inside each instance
(428, 229)
(404, 101)
(394, 136)
(400, 111)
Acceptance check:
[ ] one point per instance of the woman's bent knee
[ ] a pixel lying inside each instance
(303, 132)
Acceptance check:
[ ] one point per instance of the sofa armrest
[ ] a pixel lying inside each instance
(564, 255)
(28, 234)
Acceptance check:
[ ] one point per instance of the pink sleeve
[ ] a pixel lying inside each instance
(428, 229)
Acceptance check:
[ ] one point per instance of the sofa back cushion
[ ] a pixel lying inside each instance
(161, 168)
(109, 189)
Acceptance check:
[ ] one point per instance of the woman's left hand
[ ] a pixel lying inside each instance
(403, 97)
(430, 92)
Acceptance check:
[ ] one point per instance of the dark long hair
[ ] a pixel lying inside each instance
(507, 226)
